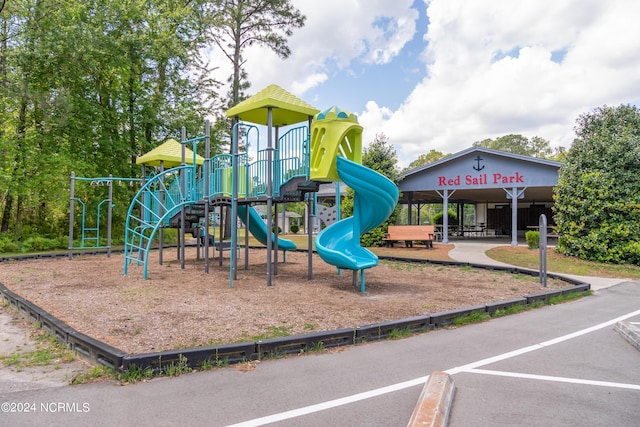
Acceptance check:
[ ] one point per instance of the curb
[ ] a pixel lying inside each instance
(435, 401)
(630, 332)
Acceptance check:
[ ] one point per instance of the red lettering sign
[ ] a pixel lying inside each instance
(442, 181)
(508, 179)
(481, 179)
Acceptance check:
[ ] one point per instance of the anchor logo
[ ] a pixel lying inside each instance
(478, 168)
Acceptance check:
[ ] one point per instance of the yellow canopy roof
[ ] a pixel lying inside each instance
(287, 109)
(171, 153)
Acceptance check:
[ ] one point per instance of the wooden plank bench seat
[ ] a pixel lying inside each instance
(410, 234)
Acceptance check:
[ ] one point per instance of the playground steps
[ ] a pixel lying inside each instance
(295, 189)
(194, 214)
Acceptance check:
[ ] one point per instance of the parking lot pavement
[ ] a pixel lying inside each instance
(588, 377)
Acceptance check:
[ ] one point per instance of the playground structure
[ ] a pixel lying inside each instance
(318, 147)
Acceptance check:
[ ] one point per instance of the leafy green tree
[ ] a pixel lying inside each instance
(239, 24)
(518, 144)
(381, 157)
(425, 159)
(597, 201)
(87, 86)
(452, 217)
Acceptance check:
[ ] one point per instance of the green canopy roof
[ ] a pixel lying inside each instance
(171, 153)
(287, 109)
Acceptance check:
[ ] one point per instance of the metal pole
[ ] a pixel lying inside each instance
(247, 195)
(445, 217)
(109, 215)
(207, 190)
(223, 221)
(276, 233)
(233, 255)
(269, 191)
(338, 215)
(310, 200)
(161, 213)
(71, 200)
(514, 217)
(542, 223)
(310, 237)
(183, 181)
(246, 235)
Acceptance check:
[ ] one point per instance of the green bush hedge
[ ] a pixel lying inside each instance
(533, 239)
(8, 245)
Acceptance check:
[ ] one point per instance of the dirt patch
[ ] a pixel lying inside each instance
(176, 308)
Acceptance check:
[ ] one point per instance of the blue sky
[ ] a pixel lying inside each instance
(388, 83)
(442, 74)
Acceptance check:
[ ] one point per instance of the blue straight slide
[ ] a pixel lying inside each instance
(375, 198)
(258, 228)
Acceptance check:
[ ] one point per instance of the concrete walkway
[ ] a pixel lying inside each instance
(474, 252)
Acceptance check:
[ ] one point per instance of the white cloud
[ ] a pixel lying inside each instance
(335, 35)
(489, 72)
(489, 67)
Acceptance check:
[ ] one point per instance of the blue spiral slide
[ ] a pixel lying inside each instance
(375, 198)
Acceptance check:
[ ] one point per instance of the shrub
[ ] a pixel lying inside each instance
(373, 238)
(294, 228)
(597, 202)
(8, 245)
(533, 239)
(36, 244)
(453, 218)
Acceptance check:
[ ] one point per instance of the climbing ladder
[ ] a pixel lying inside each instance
(159, 199)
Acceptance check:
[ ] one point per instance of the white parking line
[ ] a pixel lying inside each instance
(541, 345)
(470, 367)
(332, 403)
(555, 379)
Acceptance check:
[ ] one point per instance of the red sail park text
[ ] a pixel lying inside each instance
(482, 179)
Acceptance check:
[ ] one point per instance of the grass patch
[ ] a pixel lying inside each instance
(134, 374)
(48, 352)
(507, 311)
(559, 299)
(403, 266)
(97, 373)
(316, 347)
(473, 317)
(395, 334)
(530, 258)
(176, 368)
